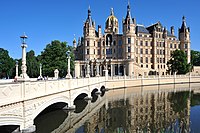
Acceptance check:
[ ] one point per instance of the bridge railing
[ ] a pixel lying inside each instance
(12, 92)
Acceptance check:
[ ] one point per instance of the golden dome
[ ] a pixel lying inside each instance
(111, 21)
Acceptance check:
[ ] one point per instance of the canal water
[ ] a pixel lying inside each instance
(166, 109)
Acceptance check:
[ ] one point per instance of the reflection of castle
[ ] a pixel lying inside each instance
(138, 49)
(150, 112)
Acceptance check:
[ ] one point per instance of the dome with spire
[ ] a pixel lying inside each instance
(112, 22)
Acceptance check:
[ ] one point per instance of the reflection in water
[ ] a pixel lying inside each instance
(122, 112)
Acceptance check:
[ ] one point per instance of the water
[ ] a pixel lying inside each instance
(141, 109)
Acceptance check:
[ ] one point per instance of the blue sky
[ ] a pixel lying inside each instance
(47, 20)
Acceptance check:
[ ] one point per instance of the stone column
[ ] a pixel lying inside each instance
(24, 75)
(111, 70)
(118, 69)
(92, 69)
(16, 69)
(68, 67)
(100, 70)
(56, 73)
(88, 70)
(77, 69)
(97, 66)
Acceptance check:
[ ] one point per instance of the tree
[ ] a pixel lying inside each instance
(178, 62)
(54, 57)
(195, 58)
(33, 65)
(6, 64)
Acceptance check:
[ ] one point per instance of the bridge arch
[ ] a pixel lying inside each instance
(11, 120)
(61, 99)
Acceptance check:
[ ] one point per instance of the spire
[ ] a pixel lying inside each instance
(111, 12)
(183, 27)
(89, 19)
(128, 15)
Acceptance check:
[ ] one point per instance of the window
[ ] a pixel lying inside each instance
(113, 50)
(160, 60)
(170, 45)
(157, 51)
(99, 52)
(174, 45)
(103, 43)
(141, 51)
(141, 59)
(114, 43)
(120, 42)
(94, 43)
(146, 51)
(146, 43)
(129, 49)
(157, 60)
(147, 60)
(88, 51)
(129, 40)
(136, 50)
(186, 46)
(99, 44)
(88, 43)
(163, 60)
(141, 43)
(146, 66)
(151, 60)
(108, 51)
(137, 59)
(94, 51)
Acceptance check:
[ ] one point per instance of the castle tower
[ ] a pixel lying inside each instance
(89, 38)
(184, 37)
(129, 38)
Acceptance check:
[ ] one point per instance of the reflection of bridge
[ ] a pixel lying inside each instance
(21, 102)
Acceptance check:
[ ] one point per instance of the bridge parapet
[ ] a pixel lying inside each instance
(19, 91)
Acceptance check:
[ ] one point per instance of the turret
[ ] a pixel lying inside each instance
(99, 31)
(89, 26)
(165, 33)
(172, 30)
(74, 43)
(129, 23)
(184, 37)
(129, 35)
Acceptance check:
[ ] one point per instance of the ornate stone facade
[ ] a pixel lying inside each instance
(138, 50)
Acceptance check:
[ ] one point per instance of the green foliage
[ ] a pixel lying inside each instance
(6, 64)
(54, 57)
(195, 58)
(178, 62)
(33, 65)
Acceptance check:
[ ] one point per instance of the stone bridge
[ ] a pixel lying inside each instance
(22, 102)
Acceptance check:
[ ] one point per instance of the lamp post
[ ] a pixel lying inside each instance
(68, 76)
(24, 75)
(17, 65)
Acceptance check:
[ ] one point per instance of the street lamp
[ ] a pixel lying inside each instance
(24, 75)
(68, 76)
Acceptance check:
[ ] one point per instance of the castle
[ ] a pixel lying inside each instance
(138, 51)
